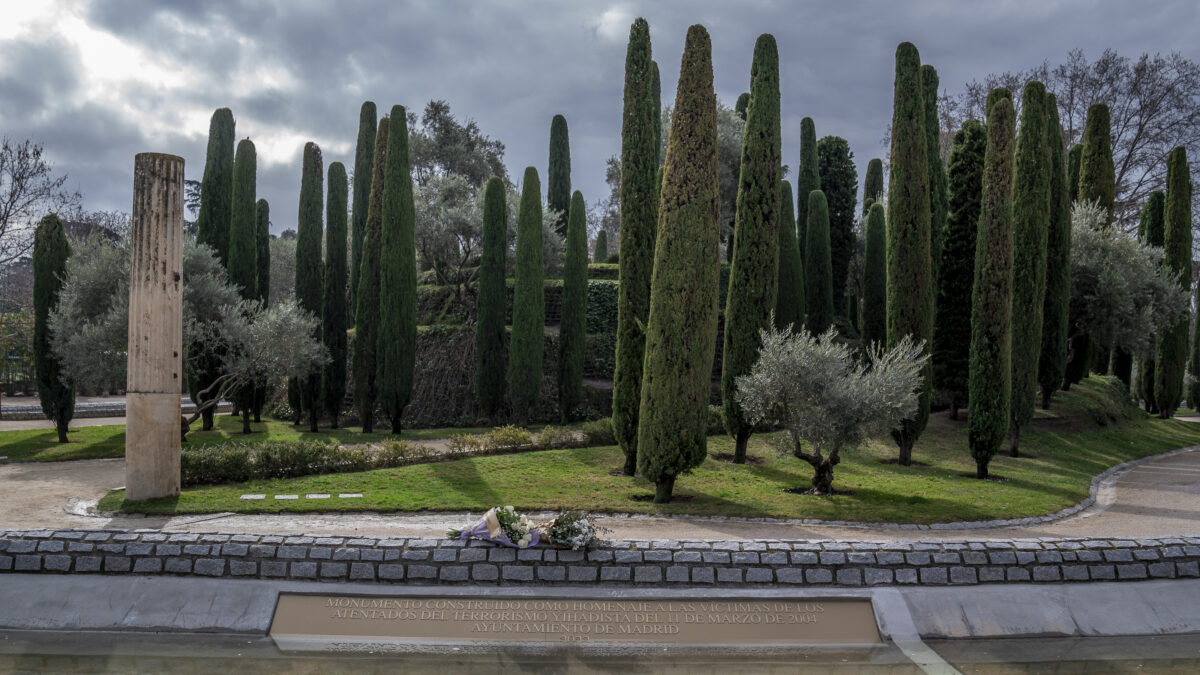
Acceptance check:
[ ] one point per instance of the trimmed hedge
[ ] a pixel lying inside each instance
(238, 462)
(604, 270)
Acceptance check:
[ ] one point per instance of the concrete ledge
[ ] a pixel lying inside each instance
(683, 563)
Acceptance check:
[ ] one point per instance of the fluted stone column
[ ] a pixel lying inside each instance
(155, 376)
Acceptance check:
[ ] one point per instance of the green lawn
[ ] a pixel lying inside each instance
(1064, 449)
(41, 445)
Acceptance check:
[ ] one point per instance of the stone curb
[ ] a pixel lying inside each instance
(659, 562)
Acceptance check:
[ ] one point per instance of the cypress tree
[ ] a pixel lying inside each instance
(362, 195)
(1150, 231)
(937, 174)
(1052, 365)
(995, 95)
(50, 253)
(396, 343)
(308, 264)
(1193, 390)
(952, 330)
(873, 185)
(333, 297)
(991, 295)
(1074, 159)
(572, 334)
(1031, 201)
(216, 187)
(742, 105)
(1177, 244)
(789, 297)
(639, 213)
(839, 183)
(262, 285)
(682, 330)
(601, 252)
(558, 177)
(874, 309)
(752, 277)
(1097, 179)
(807, 180)
(490, 381)
(909, 278)
(659, 151)
(529, 308)
(819, 312)
(366, 312)
(243, 250)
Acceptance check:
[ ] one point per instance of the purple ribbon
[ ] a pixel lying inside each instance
(480, 531)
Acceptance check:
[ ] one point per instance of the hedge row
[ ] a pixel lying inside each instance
(439, 305)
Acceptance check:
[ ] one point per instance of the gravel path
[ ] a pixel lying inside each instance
(1158, 497)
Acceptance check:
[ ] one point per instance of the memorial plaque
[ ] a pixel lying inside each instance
(343, 619)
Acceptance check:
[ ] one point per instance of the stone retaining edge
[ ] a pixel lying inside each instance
(662, 562)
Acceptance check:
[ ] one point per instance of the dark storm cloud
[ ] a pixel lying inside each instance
(290, 69)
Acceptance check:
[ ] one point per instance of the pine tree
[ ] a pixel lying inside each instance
(1177, 244)
(1097, 176)
(639, 216)
(1031, 202)
(396, 344)
(243, 250)
(682, 330)
(362, 195)
(991, 295)
(1052, 365)
(1150, 231)
(937, 173)
(807, 180)
(529, 308)
(819, 312)
(333, 295)
(839, 184)
(789, 297)
(909, 270)
(873, 185)
(601, 252)
(572, 335)
(558, 177)
(1074, 159)
(366, 312)
(874, 308)
(50, 253)
(308, 264)
(752, 277)
(263, 287)
(952, 329)
(490, 356)
(216, 187)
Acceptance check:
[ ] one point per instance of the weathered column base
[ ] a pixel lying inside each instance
(151, 446)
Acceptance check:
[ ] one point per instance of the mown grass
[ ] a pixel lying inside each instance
(1088, 431)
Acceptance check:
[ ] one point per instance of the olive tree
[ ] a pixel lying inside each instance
(827, 396)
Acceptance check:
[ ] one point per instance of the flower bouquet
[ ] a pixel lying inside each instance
(502, 525)
(572, 529)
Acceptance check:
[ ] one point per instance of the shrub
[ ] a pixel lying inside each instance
(604, 270)
(507, 437)
(551, 437)
(463, 444)
(598, 432)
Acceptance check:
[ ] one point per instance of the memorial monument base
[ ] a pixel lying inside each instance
(152, 426)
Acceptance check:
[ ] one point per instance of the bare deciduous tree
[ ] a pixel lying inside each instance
(29, 189)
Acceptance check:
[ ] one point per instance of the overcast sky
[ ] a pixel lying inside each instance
(98, 82)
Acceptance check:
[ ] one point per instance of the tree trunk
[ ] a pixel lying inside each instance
(630, 465)
(954, 408)
(396, 425)
(312, 425)
(206, 418)
(367, 427)
(1046, 398)
(1014, 440)
(257, 416)
(739, 451)
(334, 423)
(906, 445)
(663, 489)
(61, 424)
(822, 480)
(981, 469)
(246, 422)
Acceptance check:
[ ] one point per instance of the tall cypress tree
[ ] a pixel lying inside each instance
(839, 184)
(362, 194)
(1150, 231)
(1097, 176)
(991, 295)
(308, 264)
(1031, 202)
(243, 250)
(216, 187)
(681, 334)
(366, 312)
(819, 312)
(873, 185)
(396, 344)
(1052, 365)
(333, 296)
(490, 356)
(1193, 389)
(952, 330)
(808, 179)
(937, 174)
(752, 277)
(789, 297)
(742, 105)
(572, 334)
(262, 285)
(1074, 159)
(874, 308)
(1177, 244)
(909, 270)
(50, 253)
(529, 307)
(659, 150)
(601, 252)
(639, 215)
(558, 177)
